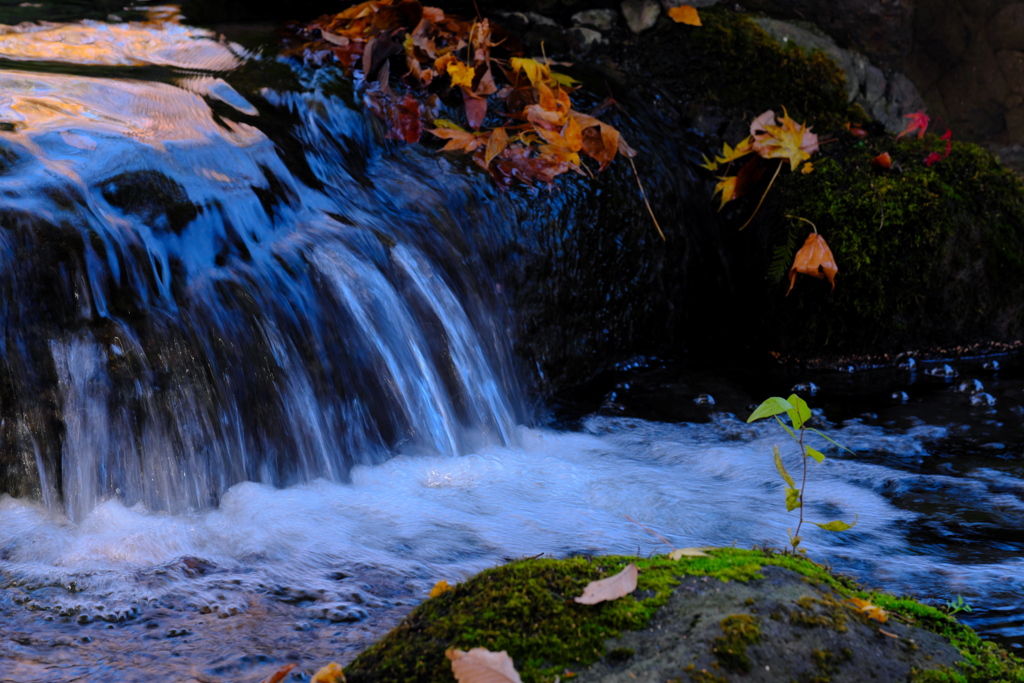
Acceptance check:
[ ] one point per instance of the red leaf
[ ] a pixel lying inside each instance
(476, 109)
(883, 162)
(918, 121)
(935, 157)
(404, 122)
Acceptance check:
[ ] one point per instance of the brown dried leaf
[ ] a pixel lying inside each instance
(612, 588)
(496, 144)
(814, 259)
(480, 665)
(476, 109)
(279, 675)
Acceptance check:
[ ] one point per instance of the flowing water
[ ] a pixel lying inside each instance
(257, 391)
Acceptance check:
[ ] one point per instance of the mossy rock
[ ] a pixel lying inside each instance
(734, 615)
(928, 256)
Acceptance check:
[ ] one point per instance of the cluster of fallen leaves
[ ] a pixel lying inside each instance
(786, 140)
(517, 117)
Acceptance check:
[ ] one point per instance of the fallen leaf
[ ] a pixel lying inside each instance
(886, 633)
(814, 259)
(807, 168)
(458, 140)
(680, 553)
(496, 144)
(279, 675)
(476, 109)
(685, 14)
(918, 121)
(612, 588)
(331, 673)
(869, 610)
(440, 588)
(460, 73)
(727, 186)
(480, 665)
(935, 156)
(856, 131)
(882, 162)
(790, 140)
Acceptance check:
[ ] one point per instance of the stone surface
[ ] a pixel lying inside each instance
(640, 15)
(886, 100)
(600, 19)
(806, 631)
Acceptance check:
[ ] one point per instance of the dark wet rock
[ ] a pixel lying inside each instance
(156, 199)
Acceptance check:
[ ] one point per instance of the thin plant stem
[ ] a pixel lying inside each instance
(647, 203)
(652, 532)
(803, 483)
(758, 207)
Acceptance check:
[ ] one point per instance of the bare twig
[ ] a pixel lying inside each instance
(652, 532)
(647, 203)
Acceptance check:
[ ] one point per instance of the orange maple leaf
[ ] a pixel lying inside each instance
(684, 14)
(814, 259)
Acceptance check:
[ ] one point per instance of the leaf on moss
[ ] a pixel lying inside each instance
(440, 588)
(790, 140)
(331, 673)
(680, 553)
(612, 588)
(869, 610)
(814, 259)
(685, 14)
(480, 665)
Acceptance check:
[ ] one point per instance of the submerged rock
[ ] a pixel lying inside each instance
(736, 615)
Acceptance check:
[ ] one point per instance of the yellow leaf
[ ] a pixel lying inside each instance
(612, 588)
(440, 588)
(684, 14)
(790, 140)
(733, 153)
(727, 187)
(448, 124)
(807, 168)
(680, 553)
(535, 71)
(480, 665)
(461, 74)
(870, 611)
(329, 674)
(710, 164)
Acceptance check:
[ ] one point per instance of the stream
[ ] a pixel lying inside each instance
(258, 391)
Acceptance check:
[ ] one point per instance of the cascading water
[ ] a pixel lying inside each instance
(183, 313)
(256, 397)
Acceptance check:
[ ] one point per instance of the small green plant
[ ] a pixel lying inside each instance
(798, 412)
(958, 606)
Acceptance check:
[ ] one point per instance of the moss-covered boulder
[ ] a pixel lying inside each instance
(928, 255)
(735, 615)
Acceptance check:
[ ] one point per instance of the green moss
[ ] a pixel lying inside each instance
(738, 632)
(926, 255)
(825, 613)
(527, 609)
(731, 63)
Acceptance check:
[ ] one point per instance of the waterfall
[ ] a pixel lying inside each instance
(201, 287)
